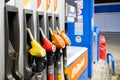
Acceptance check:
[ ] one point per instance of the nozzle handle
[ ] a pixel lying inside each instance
(40, 29)
(50, 30)
(30, 33)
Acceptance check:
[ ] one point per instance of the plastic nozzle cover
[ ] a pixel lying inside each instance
(59, 77)
(57, 40)
(65, 38)
(36, 49)
(48, 46)
(51, 77)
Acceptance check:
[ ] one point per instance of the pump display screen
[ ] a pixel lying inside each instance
(71, 11)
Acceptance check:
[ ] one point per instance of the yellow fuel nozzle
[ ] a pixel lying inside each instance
(36, 49)
(64, 37)
(56, 39)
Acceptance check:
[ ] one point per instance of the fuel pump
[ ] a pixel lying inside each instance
(12, 43)
(67, 43)
(50, 57)
(41, 62)
(38, 52)
(33, 52)
(50, 49)
(59, 42)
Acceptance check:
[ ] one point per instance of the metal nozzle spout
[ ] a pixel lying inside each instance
(30, 33)
(50, 30)
(58, 29)
(40, 29)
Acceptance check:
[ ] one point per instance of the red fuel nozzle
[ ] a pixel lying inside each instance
(47, 45)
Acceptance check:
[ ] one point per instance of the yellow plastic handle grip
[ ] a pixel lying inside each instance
(59, 77)
(36, 49)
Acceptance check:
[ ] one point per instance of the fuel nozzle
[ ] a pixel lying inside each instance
(36, 49)
(47, 45)
(64, 37)
(56, 39)
(67, 43)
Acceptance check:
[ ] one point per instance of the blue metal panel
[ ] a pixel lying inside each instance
(84, 75)
(72, 36)
(87, 37)
(97, 30)
(107, 8)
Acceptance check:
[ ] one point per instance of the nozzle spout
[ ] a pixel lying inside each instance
(30, 33)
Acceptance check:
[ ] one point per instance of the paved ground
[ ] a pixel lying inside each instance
(113, 43)
(101, 71)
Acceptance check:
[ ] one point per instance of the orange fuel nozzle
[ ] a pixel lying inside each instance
(47, 45)
(56, 39)
(64, 37)
(36, 49)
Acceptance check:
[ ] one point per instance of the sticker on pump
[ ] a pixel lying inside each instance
(80, 4)
(78, 28)
(55, 5)
(53, 48)
(48, 4)
(78, 39)
(77, 68)
(38, 3)
(27, 4)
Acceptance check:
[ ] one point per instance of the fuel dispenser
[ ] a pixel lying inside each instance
(67, 43)
(32, 49)
(41, 62)
(41, 37)
(57, 53)
(28, 21)
(47, 45)
(50, 55)
(66, 40)
(81, 32)
(12, 43)
(60, 44)
(50, 48)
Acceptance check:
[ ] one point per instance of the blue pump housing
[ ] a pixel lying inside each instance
(85, 38)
